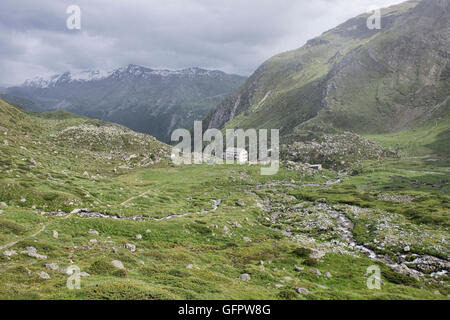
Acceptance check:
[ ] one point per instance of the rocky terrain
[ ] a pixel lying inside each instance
(337, 151)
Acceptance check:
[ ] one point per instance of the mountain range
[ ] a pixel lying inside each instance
(146, 100)
(352, 77)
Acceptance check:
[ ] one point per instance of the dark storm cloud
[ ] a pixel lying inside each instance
(233, 35)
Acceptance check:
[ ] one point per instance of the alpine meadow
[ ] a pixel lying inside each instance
(93, 207)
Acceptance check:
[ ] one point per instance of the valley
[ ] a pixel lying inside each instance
(94, 207)
(141, 230)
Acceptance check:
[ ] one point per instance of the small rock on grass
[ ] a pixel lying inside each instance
(244, 277)
(55, 234)
(323, 287)
(9, 253)
(44, 275)
(139, 236)
(298, 269)
(240, 203)
(302, 290)
(328, 275)
(118, 264)
(316, 271)
(51, 266)
(32, 252)
(93, 232)
(130, 246)
(4, 205)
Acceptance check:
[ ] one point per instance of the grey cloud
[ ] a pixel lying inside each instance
(234, 35)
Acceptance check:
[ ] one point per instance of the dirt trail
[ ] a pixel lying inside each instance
(135, 197)
(10, 244)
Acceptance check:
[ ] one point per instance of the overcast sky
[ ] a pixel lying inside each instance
(235, 36)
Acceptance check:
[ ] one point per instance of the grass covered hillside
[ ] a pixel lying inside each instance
(45, 159)
(78, 193)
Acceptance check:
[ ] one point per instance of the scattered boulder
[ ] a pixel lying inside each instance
(118, 264)
(302, 290)
(323, 287)
(240, 203)
(9, 253)
(32, 252)
(328, 275)
(148, 231)
(55, 234)
(139, 236)
(189, 266)
(278, 286)
(407, 249)
(44, 275)
(298, 269)
(75, 211)
(247, 239)
(4, 205)
(130, 246)
(244, 277)
(93, 241)
(52, 266)
(316, 271)
(236, 225)
(93, 232)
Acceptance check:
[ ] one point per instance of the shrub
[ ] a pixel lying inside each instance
(121, 273)
(302, 252)
(310, 262)
(101, 267)
(11, 226)
(287, 294)
(398, 278)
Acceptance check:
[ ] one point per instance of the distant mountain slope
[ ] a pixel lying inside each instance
(146, 100)
(353, 78)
